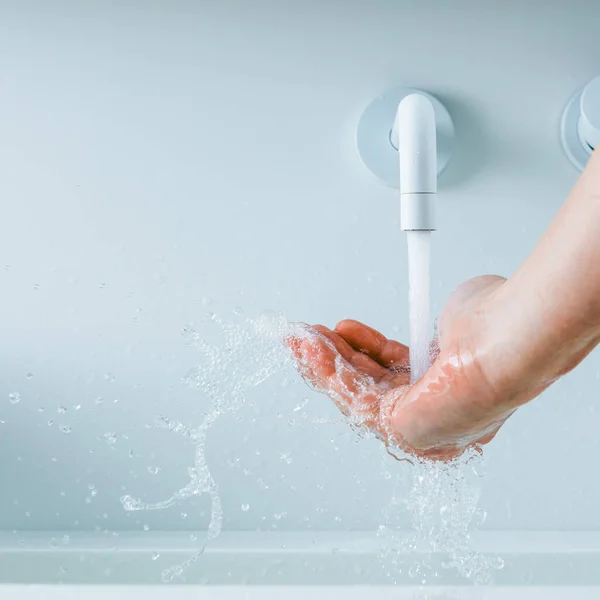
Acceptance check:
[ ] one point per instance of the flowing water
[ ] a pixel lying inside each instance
(419, 304)
(442, 503)
(239, 356)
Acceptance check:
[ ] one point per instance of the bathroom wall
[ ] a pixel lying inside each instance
(159, 160)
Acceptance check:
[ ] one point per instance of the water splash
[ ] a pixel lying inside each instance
(442, 502)
(443, 507)
(244, 355)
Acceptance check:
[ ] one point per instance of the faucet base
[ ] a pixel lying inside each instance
(577, 151)
(374, 135)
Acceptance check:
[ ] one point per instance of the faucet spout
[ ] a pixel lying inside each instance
(415, 130)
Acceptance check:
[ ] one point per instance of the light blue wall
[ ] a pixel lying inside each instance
(157, 158)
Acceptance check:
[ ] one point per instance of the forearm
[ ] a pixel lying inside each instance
(548, 313)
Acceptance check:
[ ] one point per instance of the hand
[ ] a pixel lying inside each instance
(455, 405)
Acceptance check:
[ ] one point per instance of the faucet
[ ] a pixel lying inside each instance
(415, 131)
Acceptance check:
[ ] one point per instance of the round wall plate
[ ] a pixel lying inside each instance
(577, 151)
(373, 135)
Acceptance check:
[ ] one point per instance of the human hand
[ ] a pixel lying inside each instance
(455, 405)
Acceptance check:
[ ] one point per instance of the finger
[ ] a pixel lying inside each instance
(462, 294)
(341, 345)
(360, 361)
(367, 365)
(293, 343)
(329, 372)
(372, 343)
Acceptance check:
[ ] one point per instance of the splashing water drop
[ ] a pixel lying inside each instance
(247, 353)
(286, 458)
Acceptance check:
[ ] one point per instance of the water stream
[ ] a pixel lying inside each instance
(419, 304)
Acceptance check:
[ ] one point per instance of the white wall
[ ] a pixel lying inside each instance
(157, 158)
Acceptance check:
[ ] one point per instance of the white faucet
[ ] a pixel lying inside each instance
(415, 130)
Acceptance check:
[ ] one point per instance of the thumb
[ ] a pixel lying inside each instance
(464, 294)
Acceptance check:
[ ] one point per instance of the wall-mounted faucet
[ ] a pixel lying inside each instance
(580, 125)
(415, 132)
(379, 136)
(405, 138)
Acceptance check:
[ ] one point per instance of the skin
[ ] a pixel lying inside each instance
(501, 343)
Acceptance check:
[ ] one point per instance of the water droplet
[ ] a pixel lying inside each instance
(146, 527)
(184, 515)
(29, 376)
(153, 470)
(41, 409)
(101, 285)
(65, 539)
(77, 406)
(99, 400)
(14, 397)
(50, 423)
(65, 429)
(301, 405)
(62, 410)
(109, 377)
(110, 438)
(53, 543)
(286, 457)
(155, 556)
(245, 507)
(36, 286)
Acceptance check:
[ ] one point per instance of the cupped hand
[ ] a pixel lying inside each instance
(455, 405)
